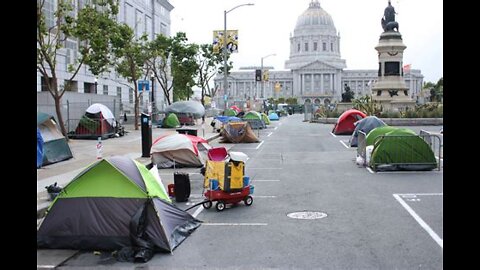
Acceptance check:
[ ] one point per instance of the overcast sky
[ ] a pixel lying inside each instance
(265, 28)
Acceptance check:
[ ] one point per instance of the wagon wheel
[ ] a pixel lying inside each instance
(207, 204)
(220, 206)
(248, 200)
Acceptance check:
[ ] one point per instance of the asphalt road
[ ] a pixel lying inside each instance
(366, 220)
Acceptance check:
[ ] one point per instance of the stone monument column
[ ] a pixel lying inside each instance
(390, 89)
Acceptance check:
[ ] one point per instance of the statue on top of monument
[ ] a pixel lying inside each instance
(388, 19)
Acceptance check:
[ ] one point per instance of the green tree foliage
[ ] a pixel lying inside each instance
(131, 56)
(87, 28)
(209, 65)
(367, 105)
(184, 67)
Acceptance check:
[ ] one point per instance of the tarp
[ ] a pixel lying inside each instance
(55, 147)
(171, 121)
(105, 206)
(365, 125)
(344, 124)
(238, 132)
(402, 149)
(189, 106)
(39, 149)
(179, 150)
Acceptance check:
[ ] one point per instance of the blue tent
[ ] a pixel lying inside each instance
(39, 149)
(273, 116)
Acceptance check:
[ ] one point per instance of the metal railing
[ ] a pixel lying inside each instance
(402, 154)
(362, 144)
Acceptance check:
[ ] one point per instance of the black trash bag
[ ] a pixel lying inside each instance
(126, 254)
(53, 188)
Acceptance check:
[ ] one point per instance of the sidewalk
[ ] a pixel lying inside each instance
(85, 153)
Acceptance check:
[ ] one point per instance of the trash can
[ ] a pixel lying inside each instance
(189, 131)
(181, 183)
(146, 124)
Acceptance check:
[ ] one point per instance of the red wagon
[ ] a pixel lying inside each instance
(234, 187)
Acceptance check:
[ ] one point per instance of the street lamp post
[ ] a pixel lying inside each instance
(96, 83)
(261, 68)
(225, 83)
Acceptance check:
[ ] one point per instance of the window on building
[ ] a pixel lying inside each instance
(44, 86)
(315, 46)
(298, 47)
(48, 11)
(324, 46)
(306, 46)
(71, 86)
(331, 46)
(119, 92)
(130, 95)
(163, 29)
(105, 89)
(139, 23)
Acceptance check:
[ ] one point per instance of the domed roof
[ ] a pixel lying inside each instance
(314, 16)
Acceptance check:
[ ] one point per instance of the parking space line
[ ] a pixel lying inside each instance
(234, 224)
(275, 128)
(344, 144)
(259, 145)
(420, 221)
(269, 134)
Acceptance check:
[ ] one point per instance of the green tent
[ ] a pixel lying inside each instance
(265, 118)
(402, 149)
(230, 112)
(55, 146)
(171, 121)
(254, 119)
(378, 131)
(113, 204)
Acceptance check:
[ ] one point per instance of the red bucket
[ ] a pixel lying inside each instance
(171, 190)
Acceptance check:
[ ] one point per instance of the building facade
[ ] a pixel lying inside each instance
(315, 70)
(143, 16)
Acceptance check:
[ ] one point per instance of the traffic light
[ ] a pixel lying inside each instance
(265, 75)
(258, 75)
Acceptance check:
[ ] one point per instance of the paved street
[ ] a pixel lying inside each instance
(365, 220)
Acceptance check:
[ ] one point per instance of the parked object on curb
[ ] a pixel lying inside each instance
(238, 132)
(53, 190)
(98, 121)
(345, 122)
(115, 203)
(171, 121)
(365, 125)
(55, 146)
(179, 150)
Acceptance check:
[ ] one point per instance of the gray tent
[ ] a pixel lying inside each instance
(55, 146)
(365, 125)
(187, 107)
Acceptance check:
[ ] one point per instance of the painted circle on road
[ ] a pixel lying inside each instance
(307, 215)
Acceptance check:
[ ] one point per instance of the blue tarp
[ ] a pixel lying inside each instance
(273, 116)
(39, 148)
(226, 119)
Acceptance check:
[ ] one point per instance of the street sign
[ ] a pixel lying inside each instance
(143, 85)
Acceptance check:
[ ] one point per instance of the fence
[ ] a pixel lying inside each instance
(401, 153)
(73, 111)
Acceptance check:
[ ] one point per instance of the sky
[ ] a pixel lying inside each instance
(265, 29)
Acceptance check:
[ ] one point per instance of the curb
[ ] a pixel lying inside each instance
(42, 207)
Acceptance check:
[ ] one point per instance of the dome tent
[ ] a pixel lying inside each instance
(365, 125)
(55, 147)
(345, 122)
(98, 121)
(104, 206)
(179, 150)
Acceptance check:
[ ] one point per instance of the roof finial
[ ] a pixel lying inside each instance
(314, 3)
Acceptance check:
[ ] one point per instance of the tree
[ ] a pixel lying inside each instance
(159, 51)
(89, 28)
(184, 67)
(209, 64)
(131, 57)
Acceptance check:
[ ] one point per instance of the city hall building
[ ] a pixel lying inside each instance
(315, 70)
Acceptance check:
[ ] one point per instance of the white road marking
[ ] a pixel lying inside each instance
(420, 221)
(259, 145)
(46, 266)
(235, 224)
(198, 211)
(275, 128)
(261, 180)
(370, 170)
(333, 134)
(344, 145)
(256, 196)
(269, 134)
